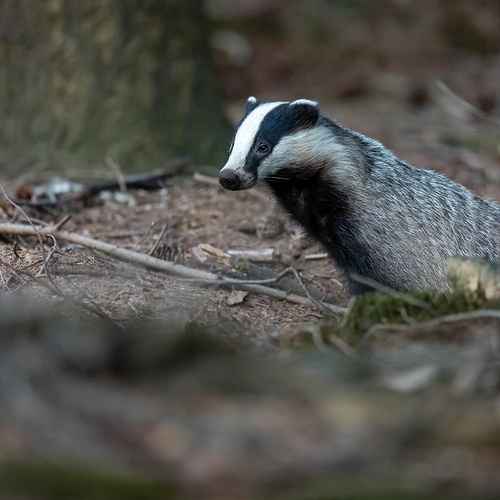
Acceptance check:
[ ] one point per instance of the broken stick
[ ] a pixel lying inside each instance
(264, 274)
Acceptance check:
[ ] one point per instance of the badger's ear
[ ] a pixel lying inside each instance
(252, 103)
(307, 102)
(304, 112)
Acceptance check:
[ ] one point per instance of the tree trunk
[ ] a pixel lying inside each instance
(133, 80)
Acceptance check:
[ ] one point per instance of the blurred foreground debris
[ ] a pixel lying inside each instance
(91, 409)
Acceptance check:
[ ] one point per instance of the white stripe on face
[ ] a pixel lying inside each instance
(245, 136)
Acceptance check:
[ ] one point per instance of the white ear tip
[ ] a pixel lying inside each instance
(252, 100)
(305, 101)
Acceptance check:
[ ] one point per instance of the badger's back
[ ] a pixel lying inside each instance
(411, 221)
(376, 215)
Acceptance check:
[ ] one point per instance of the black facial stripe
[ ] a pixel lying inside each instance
(274, 126)
(284, 120)
(254, 158)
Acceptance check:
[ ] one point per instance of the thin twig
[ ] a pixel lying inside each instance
(18, 274)
(158, 240)
(466, 105)
(257, 286)
(117, 171)
(62, 222)
(280, 294)
(290, 270)
(300, 281)
(109, 249)
(432, 323)
(28, 219)
(30, 222)
(390, 291)
(43, 270)
(145, 237)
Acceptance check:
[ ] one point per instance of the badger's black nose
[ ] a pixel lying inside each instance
(229, 179)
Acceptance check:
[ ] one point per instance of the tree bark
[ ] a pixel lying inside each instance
(82, 80)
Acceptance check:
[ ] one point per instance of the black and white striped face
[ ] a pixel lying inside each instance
(268, 138)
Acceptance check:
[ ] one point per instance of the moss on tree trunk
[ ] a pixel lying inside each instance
(128, 79)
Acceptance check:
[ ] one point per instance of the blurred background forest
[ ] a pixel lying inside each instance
(358, 49)
(139, 81)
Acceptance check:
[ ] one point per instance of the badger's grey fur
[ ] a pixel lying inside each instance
(375, 215)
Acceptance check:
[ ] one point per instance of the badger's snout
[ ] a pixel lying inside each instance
(229, 179)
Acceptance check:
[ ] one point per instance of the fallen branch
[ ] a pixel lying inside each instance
(159, 265)
(107, 248)
(265, 275)
(154, 179)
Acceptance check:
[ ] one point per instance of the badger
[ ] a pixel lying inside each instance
(374, 214)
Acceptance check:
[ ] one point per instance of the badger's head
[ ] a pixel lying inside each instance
(270, 136)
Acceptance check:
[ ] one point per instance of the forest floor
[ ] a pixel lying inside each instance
(274, 422)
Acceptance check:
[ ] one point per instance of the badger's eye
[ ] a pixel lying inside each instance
(262, 147)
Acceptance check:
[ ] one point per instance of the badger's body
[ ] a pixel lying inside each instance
(374, 214)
